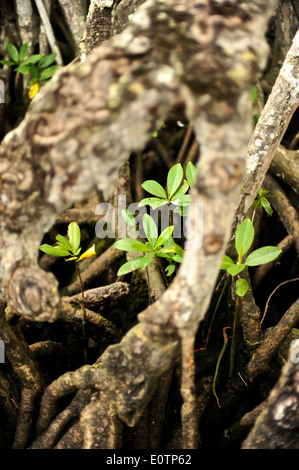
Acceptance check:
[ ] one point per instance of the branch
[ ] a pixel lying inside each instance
(272, 124)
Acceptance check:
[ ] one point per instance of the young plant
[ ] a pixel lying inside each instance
(71, 248)
(176, 190)
(162, 246)
(262, 201)
(243, 241)
(40, 67)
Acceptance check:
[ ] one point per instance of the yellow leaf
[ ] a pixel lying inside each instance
(88, 253)
(33, 90)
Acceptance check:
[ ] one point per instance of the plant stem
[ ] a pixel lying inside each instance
(214, 313)
(83, 310)
(233, 343)
(225, 337)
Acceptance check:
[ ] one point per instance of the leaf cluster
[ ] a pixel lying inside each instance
(68, 247)
(41, 68)
(161, 245)
(243, 241)
(262, 201)
(176, 189)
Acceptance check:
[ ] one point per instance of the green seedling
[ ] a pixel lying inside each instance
(175, 193)
(243, 241)
(262, 201)
(70, 250)
(162, 246)
(40, 67)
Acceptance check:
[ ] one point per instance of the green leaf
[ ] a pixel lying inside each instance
(128, 217)
(226, 262)
(33, 59)
(235, 269)
(23, 51)
(7, 62)
(184, 200)
(47, 73)
(241, 287)
(171, 248)
(140, 262)
(181, 191)
(153, 187)
(165, 236)
(129, 244)
(64, 242)
(255, 118)
(33, 70)
(150, 229)
(54, 250)
(32, 81)
(74, 234)
(24, 69)
(177, 258)
(153, 202)
(174, 179)
(12, 51)
(190, 174)
(253, 94)
(244, 236)
(262, 255)
(266, 205)
(47, 60)
(170, 269)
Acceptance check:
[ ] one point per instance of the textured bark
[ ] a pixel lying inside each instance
(285, 165)
(272, 124)
(202, 56)
(277, 426)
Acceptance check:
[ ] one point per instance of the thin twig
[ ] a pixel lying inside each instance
(269, 298)
(49, 31)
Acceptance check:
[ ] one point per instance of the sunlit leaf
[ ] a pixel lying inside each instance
(190, 174)
(164, 237)
(174, 179)
(244, 236)
(226, 262)
(140, 262)
(74, 235)
(235, 269)
(262, 255)
(155, 188)
(150, 229)
(129, 244)
(241, 287)
(64, 242)
(54, 250)
(170, 269)
(88, 253)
